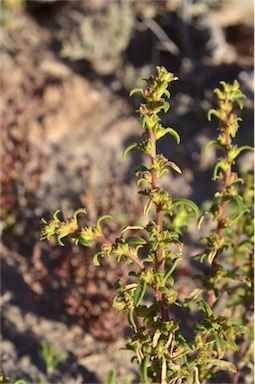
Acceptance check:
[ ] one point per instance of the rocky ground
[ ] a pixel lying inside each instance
(69, 122)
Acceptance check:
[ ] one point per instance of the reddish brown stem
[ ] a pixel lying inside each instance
(159, 263)
(227, 178)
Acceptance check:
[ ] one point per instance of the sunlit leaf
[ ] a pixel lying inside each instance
(143, 369)
(131, 319)
(172, 132)
(201, 219)
(220, 345)
(130, 227)
(111, 379)
(80, 210)
(232, 345)
(211, 255)
(95, 258)
(156, 337)
(131, 146)
(205, 308)
(147, 206)
(166, 106)
(135, 240)
(136, 90)
(212, 112)
(174, 166)
(208, 145)
(241, 207)
(187, 202)
(139, 292)
(102, 218)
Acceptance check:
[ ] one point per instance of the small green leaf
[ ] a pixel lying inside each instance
(102, 218)
(145, 120)
(208, 145)
(243, 329)
(215, 170)
(131, 319)
(170, 270)
(118, 305)
(139, 292)
(212, 112)
(167, 93)
(55, 215)
(187, 202)
(20, 381)
(111, 379)
(166, 106)
(135, 240)
(241, 207)
(59, 239)
(170, 281)
(162, 172)
(232, 345)
(220, 344)
(143, 79)
(183, 359)
(245, 148)
(143, 369)
(131, 146)
(174, 133)
(84, 242)
(205, 308)
(216, 326)
(136, 90)
(80, 210)
(95, 258)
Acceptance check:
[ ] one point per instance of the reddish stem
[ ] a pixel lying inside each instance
(227, 178)
(159, 263)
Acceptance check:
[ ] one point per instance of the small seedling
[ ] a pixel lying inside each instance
(50, 357)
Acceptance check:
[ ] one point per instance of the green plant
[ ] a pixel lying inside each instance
(230, 246)
(50, 357)
(85, 290)
(4, 379)
(51, 360)
(21, 381)
(163, 353)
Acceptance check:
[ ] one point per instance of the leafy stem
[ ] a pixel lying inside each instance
(160, 348)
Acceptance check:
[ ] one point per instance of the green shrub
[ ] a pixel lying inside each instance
(220, 338)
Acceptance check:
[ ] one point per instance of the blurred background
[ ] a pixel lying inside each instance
(67, 68)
